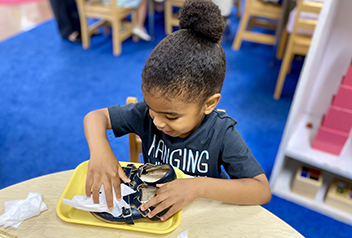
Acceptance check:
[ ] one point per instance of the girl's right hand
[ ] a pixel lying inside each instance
(105, 172)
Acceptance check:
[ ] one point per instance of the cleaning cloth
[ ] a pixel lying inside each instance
(84, 203)
(19, 210)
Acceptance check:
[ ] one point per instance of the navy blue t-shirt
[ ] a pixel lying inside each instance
(215, 142)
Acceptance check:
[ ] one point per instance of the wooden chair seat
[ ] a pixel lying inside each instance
(267, 10)
(302, 40)
(100, 11)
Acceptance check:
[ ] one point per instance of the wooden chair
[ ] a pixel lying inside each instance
(238, 4)
(261, 14)
(171, 18)
(134, 140)
(298, 44)
(107, 15)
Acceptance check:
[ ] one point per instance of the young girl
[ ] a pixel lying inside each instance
(179, 124)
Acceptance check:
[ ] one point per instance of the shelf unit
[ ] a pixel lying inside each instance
(326, 63)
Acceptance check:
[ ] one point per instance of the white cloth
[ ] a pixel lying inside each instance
(87, 204)
(19, 210)
(225, 6)
(124, 3)
(183, 234)
(304, 15)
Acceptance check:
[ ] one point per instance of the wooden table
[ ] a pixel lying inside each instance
(202, 218)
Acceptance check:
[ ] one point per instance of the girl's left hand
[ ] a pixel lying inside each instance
(176, 194)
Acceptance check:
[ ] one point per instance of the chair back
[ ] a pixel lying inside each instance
(261, 14)
(134, 141)
(307, 16)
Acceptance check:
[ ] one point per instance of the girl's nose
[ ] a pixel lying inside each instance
(158, 122)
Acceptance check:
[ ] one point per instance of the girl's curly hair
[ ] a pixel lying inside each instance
(190, 63)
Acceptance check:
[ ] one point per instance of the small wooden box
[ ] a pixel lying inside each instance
(339, 195)
(307, 182)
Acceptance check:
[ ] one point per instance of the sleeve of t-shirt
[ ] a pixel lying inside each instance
(128, 118)
(237, 159)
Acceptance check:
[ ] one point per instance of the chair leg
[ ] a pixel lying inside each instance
(106, 28)
(84, 31)
(135, 38)
(251, 23)
(238, 5)
(283, 71)
(134, 21)
(238, 8)
(168, 16)
(292, 56)
(240, 30)
(282, 44)
(116, 41)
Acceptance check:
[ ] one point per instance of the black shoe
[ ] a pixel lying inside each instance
(143, 181)
(135, 200)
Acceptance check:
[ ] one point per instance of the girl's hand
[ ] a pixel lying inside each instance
(105, 172)
(176, 194)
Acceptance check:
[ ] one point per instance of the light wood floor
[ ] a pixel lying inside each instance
(18, 18)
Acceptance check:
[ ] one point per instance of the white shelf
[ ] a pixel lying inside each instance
(282, 188)
(299, 147)
(328, 58)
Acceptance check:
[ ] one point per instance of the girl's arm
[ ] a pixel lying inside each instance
(246, 191)
(103, 168)
(179, 193)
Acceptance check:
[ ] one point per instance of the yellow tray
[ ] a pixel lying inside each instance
(76, 186)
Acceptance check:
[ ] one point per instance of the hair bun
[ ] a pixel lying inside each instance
(204, 18)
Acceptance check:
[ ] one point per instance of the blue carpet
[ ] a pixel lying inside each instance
(48, 85)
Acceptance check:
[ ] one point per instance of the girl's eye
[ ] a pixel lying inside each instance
(172, 118)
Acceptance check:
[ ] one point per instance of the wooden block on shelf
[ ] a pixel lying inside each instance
(347, 80)
(339, 119)
(343, 98)
(339, 195)
(329, 140)
(307, 182)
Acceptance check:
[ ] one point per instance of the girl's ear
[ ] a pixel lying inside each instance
(211, 103)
